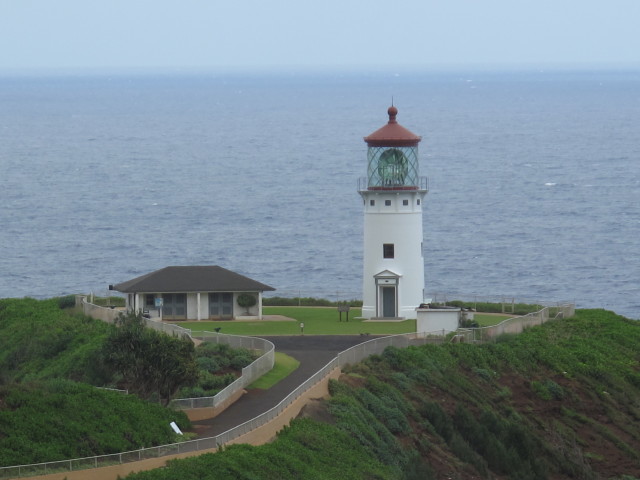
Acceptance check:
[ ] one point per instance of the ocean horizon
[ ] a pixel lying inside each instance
(534, 180)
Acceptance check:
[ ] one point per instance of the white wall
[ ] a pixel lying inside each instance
(437, 321)
(400, 225)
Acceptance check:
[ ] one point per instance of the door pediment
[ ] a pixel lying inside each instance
(387, 274)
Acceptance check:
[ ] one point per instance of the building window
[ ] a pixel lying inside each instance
(372, 203)
(405, 202)
(387, 203)
(418, 202)
(388, 250)
(149, 300)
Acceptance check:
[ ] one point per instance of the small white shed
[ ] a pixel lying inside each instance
(437, 320)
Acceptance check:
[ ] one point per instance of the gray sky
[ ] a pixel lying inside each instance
(300, 34)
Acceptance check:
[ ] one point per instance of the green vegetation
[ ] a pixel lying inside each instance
(317, 321)
(283, 367)
(49, 357)
(151, 364)
(246, 300)
(561, 400)
(60, 419)
(218, 365)
(558, 401)
(306, 302)
(39, 341)
(305, 450)
(487, 319)
(506, 307)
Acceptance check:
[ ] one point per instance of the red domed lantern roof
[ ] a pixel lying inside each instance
(392, 134)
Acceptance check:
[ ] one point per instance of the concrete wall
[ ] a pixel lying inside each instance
(437, 321)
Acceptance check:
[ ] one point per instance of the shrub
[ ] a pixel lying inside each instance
(68, 301)
(548, 390)
(241, 360)
(208, 364)
(246, 300)
(307, 302)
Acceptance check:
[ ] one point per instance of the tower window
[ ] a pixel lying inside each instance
(405, 202)
(372, 202)
(387, 203)
(388, 250)
(418, 202)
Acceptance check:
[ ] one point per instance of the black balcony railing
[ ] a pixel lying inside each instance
(422, 185)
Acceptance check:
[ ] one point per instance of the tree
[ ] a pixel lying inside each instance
(147, 361)
(246, 301)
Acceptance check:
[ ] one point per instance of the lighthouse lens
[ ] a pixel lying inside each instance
(392, 167)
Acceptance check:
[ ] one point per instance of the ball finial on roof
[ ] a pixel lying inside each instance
(392, 111)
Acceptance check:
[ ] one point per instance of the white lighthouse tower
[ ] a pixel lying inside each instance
(392, 193)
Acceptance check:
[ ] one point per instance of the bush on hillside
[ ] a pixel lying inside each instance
(149, 363)
(218, 366)
(39, 340)
(307, 302)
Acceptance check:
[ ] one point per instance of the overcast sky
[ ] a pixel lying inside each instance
(300, 34)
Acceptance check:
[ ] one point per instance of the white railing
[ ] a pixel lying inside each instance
(515, 325)
(352, 355)
(111, 314)
(250, 373)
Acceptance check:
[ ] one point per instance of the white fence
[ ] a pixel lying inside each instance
(516, 325)
(250, 373)
(352, 355)
(111, 314)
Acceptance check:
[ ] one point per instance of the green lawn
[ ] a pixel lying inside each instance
(284, 365)
(317, 321)
(489, 319)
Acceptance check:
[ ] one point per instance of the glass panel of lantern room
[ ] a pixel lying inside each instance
(390, 167)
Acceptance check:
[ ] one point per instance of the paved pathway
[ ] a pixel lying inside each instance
(312, 351)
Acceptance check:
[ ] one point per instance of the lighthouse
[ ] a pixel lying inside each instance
(392, 195)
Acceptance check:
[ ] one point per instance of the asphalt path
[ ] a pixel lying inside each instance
(312, 351)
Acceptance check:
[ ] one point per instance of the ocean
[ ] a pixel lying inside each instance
(534, 180)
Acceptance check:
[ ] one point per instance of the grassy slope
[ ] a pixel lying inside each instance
(306, 450)
(38, 340)
(558, 401)
(59, 420)
(44, 415)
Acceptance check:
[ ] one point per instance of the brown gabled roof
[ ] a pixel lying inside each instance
(392, 134)
(191, 279)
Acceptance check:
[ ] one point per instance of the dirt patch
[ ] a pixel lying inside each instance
(317, 409)
(353, 380)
